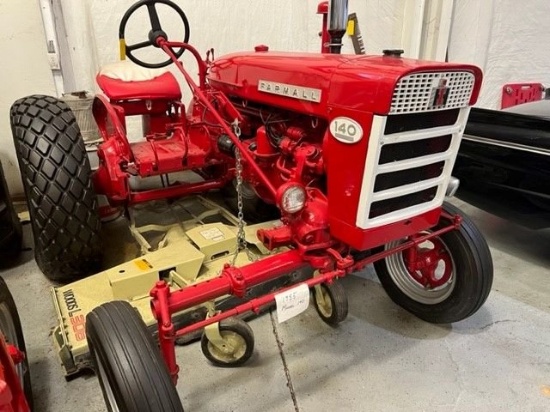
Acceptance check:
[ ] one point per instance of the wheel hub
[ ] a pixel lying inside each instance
(323, 301)
(232, 348)
(431, 267)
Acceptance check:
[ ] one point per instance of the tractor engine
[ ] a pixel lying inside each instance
(361, 148)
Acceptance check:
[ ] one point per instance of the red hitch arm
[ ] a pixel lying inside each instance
(198, 92)
(236, 281)
(232, 280)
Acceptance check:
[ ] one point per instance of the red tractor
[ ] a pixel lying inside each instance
(355, 152)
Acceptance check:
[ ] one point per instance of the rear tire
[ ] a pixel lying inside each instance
(467, 288)
(10, 327)
(130, 368)
(56, 177)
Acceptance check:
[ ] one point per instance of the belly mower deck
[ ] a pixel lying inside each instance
(183, 243)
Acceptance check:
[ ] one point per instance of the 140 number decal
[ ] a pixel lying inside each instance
(346, 130)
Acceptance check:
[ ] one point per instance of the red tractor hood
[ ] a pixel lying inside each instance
(312, 82)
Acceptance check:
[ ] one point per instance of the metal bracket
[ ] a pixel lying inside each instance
(213, 335)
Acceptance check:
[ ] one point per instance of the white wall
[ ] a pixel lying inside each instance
(507, 38)
(226, 25)
(24, 70)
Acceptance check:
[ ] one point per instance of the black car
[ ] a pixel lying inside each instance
(504, 162)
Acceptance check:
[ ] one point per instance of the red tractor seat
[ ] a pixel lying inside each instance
(127, 81)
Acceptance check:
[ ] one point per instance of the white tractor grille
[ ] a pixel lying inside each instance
(418, 92)
(409, 163)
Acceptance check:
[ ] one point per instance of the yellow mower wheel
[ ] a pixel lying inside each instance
(235, 346)
(331, 302)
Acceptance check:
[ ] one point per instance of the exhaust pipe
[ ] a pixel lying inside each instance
(338, 22)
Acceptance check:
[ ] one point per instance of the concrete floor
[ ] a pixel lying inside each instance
(380, 359)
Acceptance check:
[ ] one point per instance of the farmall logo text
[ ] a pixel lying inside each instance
(290, 90)
(441, 93)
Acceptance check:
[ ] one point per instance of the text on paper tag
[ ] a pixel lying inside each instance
(292, 302)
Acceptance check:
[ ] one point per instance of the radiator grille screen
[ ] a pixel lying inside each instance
(430, 91)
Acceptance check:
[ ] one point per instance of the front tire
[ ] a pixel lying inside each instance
(130, 368)
(462, 287)
(56, 177)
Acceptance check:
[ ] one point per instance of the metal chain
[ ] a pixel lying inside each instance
(241, 236)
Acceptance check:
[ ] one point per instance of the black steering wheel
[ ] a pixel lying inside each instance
(155, 33)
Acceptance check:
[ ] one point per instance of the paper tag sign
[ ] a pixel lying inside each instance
(292, 302)
(214, 234)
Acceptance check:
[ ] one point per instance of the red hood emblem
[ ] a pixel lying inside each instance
(441, 93)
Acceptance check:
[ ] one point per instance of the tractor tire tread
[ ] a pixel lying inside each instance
(483, 258)
(119, 338)
(56, 176)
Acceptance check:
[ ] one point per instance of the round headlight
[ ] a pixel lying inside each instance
(292, 198)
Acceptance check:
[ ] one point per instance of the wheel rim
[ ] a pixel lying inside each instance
(322, 298)
(415, 284)
(232, 350)
(7, 326)
(107, 389)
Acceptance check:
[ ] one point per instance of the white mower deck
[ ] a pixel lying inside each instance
(194, 238)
